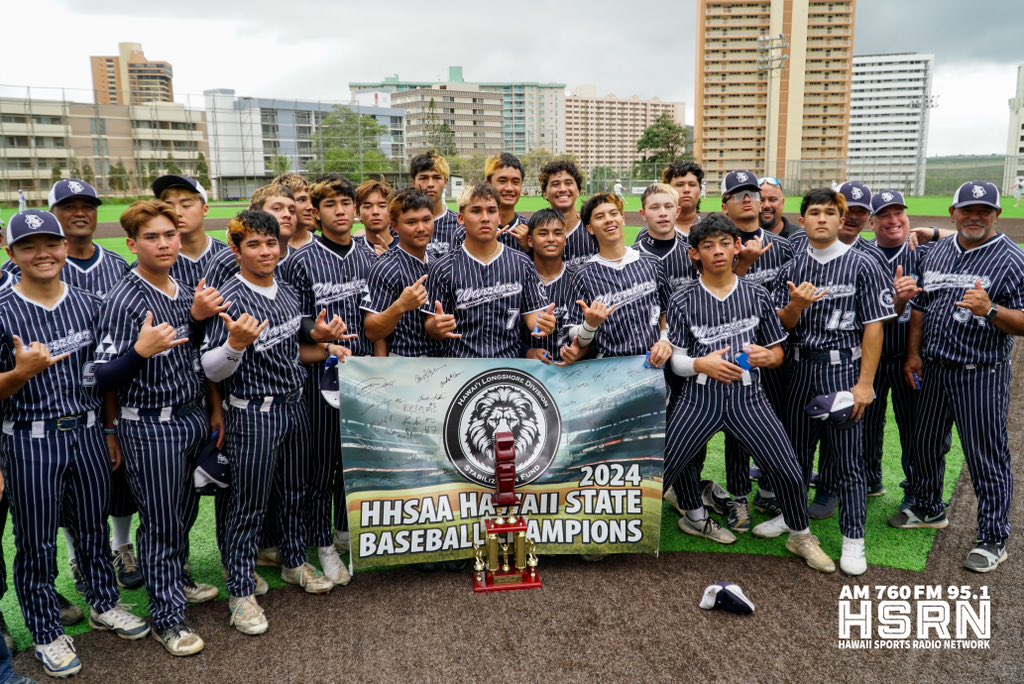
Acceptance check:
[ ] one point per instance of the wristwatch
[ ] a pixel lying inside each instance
(992, 313)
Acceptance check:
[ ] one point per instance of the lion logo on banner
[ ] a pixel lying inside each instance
(502, 409)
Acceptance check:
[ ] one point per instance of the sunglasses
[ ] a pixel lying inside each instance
(770, 180)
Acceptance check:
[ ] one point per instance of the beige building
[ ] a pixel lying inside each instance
(40, 139)
(791, 122)
(473, 115)
(130, 78)
(603, 131)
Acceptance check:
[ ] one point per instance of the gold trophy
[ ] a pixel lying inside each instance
(508, 531)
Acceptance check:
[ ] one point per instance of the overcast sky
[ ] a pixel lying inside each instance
(311, 49)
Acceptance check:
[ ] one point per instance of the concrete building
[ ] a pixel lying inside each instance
(130, 78)
(791, 121)
(533, 114)
(40, 139)
(889, 120)
(603, 131)
(473, 115)
(254, 139)
(1014, 164)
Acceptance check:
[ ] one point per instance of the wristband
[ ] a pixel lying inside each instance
(589, 329)
(935, 233)
(664, 335)
(109, 432)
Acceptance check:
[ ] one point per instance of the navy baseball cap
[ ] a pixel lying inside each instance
(739, 180)
(836, 408)
(32, 222)
(213, 472)
(164, 182)
(976, 192)
(885, 199)
(70, 188)
(728, 597)
(330, 383)
(857, 194)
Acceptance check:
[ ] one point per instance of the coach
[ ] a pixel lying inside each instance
(959, 347)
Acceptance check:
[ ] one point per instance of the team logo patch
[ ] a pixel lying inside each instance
(742, 177)
(75, 186)
(978, 191)
(33, 222)
(856, 193)
(502, 400)
(885, 298)
(888, 196)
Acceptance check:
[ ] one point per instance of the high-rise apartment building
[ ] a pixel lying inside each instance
(889, 121)
(130, 78)
(473, 116)
(1014, 164)
(603, 131)
(775, 107)
(533, 114)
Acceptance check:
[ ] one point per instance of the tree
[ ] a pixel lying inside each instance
(75, 171)
(172, 167)
(663, 141)
(203, 171)
(280, 165)
(87, 174)
(440, 136)
(349, 144)
(56, 173)
(119, 178)
(601, 179)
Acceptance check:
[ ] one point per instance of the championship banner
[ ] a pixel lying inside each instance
(417, 445)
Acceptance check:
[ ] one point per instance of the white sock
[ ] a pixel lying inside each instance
(697, 514)
(766, 493)
(70, 542)
(325, 550)
(121, 528)
(801, 533)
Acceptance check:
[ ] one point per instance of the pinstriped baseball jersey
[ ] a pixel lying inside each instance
(327, 280)
(446, 233)
(99, 277)
(392, 273)
(6, 280)
(701, 323)
(953, 334)
(364, 244)
(636, 285)
(488, 301)
(66, 388)
(560, 292)
(679, 268)
(270, 366)
(764, 271)
(580, 245)
(645, 234)
(800, 243)
(188, 271)
(858, 293)
(171, 378)
(504, 237)
(223, 266)
(896, 329)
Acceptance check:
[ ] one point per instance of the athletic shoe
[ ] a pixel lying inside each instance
(78, 577)
(708, 528)
(333, 568)
(19, 679)
(714, 497)
(767, 504)
(814, 480)
(70, 614)
(673, 501)
(914, 518)
(126, 568)
(261, 584)
(342, 540)
(7, 635)
(179, 640)
(877, 489)
(755, 473)
(58, 657)
(823, 506)
(739, 515)
(853, 562)
(770, 529)
(197, 593)
(269, 558)
(246, 615)
(985, 557)
(307, 577)
(119, 621)
(807, 547)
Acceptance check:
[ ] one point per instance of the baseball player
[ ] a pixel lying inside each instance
(483, 291)
(505, 173)
(52, 446)
(395, 305)
(372, 205)
(961, 333)
(188, 198)
(710, 324)
(305, 222)
(685, 177)
(253, 348)
(145, 353)
(547, 244)
(560, 184)
(6, 281)
(659, 207)
(773, 204)
(430, 175)
(835, 317)
(330, 278)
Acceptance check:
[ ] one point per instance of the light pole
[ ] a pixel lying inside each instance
(921, 104)
(769, 60)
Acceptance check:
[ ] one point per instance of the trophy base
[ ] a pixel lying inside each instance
(505, 581)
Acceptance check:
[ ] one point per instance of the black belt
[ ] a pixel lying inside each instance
(964, 366)
(62, 424)
(825, 355)
(177, 411)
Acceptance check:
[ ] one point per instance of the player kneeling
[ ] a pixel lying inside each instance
(724, 331)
